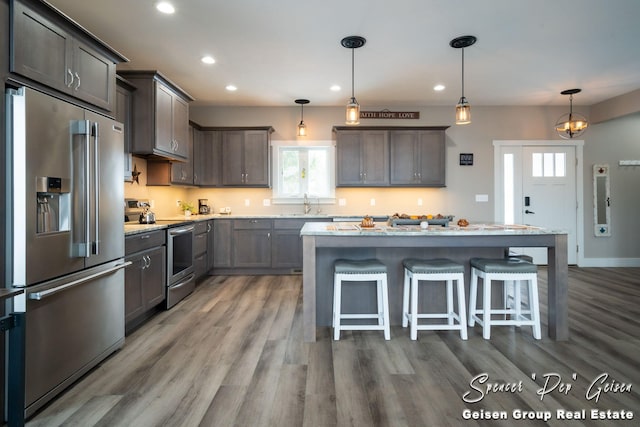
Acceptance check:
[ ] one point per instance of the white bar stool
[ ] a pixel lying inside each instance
(512, 289)
(361, 271)
(506, 270)
(433, 270)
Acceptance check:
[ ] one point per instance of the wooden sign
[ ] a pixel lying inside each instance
(385, 114)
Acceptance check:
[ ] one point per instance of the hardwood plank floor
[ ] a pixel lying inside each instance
(232, 354)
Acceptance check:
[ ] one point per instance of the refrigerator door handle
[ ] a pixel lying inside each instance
(96, 181)
(44, 294)
(82, 248)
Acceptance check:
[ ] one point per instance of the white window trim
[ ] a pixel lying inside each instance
(314, 199)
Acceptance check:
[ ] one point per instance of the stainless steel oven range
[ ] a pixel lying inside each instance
(180, 271)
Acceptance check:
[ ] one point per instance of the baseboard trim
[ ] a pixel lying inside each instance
(609, 262)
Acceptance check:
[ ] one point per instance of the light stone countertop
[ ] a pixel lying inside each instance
(354, 229)
(135, 228)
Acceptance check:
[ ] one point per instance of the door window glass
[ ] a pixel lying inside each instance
(548, 165)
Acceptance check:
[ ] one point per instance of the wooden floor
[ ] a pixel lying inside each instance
(232, 354)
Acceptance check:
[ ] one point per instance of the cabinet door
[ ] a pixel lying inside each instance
(180, 126)
(123, 115)
(207, 158)
(232, 153)
(42, 51)
(164, 119)
(154, 277)
(256, 158)
(222, 230)
(431, 171)
(133, 297)
(375, 158)
(286, 249)
(404, 157)
(94, 76)
(211, 243)
(182, 172)
(252, 248)
(348, 147)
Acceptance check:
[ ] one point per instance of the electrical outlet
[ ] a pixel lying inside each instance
(372, 202)
(247, 202)
(342, 202)
(266, 202)
(419, 202)
(178, 203)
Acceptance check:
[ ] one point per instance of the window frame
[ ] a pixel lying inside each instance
(276, 195)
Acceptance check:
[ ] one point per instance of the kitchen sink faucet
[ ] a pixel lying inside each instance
(307, 205)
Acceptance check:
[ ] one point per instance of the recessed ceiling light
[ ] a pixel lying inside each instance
(438, 88)
(335, 88)
(207, 59)
(165, 7)
(231, 88)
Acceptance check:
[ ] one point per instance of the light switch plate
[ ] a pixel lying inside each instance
(482, 197)
(266, 202)
(342, 202)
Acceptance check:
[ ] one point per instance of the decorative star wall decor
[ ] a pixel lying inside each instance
(135, 174)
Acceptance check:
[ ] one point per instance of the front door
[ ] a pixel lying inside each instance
(539, 188)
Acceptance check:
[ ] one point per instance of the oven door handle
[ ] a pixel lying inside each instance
(183, 283)
(174, 231)
(44, 294)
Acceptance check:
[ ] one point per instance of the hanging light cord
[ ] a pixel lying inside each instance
(462, 73)
(352, 73)
(301, 113)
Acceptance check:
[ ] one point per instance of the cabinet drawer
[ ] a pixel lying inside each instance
(200, 227)
(200, 243)
(142, 241)
(252, 224)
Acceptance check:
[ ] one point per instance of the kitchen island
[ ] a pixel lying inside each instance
(324, 242)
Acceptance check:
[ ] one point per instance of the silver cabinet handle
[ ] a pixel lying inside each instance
(44, 294)
(77, 84)
(71, 76)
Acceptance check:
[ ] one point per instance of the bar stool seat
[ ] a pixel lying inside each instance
(516, 270)
(433, 270)
(367, 270)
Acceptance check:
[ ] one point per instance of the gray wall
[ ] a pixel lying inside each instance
(606, 142)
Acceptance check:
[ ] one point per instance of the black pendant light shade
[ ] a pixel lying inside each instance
(353, 108)
(571, 125)
(463, 109)
(302, 128)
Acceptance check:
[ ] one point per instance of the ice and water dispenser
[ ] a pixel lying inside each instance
(53, 204)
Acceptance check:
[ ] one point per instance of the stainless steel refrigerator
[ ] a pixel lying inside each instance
(66, 237)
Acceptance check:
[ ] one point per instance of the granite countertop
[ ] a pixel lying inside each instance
(135, 228)
(481, 229)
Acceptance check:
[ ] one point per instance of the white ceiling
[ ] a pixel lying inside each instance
(278, 50)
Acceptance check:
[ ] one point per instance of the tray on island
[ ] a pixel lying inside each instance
(444, 221)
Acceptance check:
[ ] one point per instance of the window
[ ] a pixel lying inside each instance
(303, 169)
(549, 165)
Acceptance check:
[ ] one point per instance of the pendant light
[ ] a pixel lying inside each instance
(302, 128)
(463, 109)
(573, 124)
(353, 108)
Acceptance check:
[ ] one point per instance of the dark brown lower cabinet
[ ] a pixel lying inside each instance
(146, 278)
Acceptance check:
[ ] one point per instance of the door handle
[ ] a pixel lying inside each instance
(529, 212)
